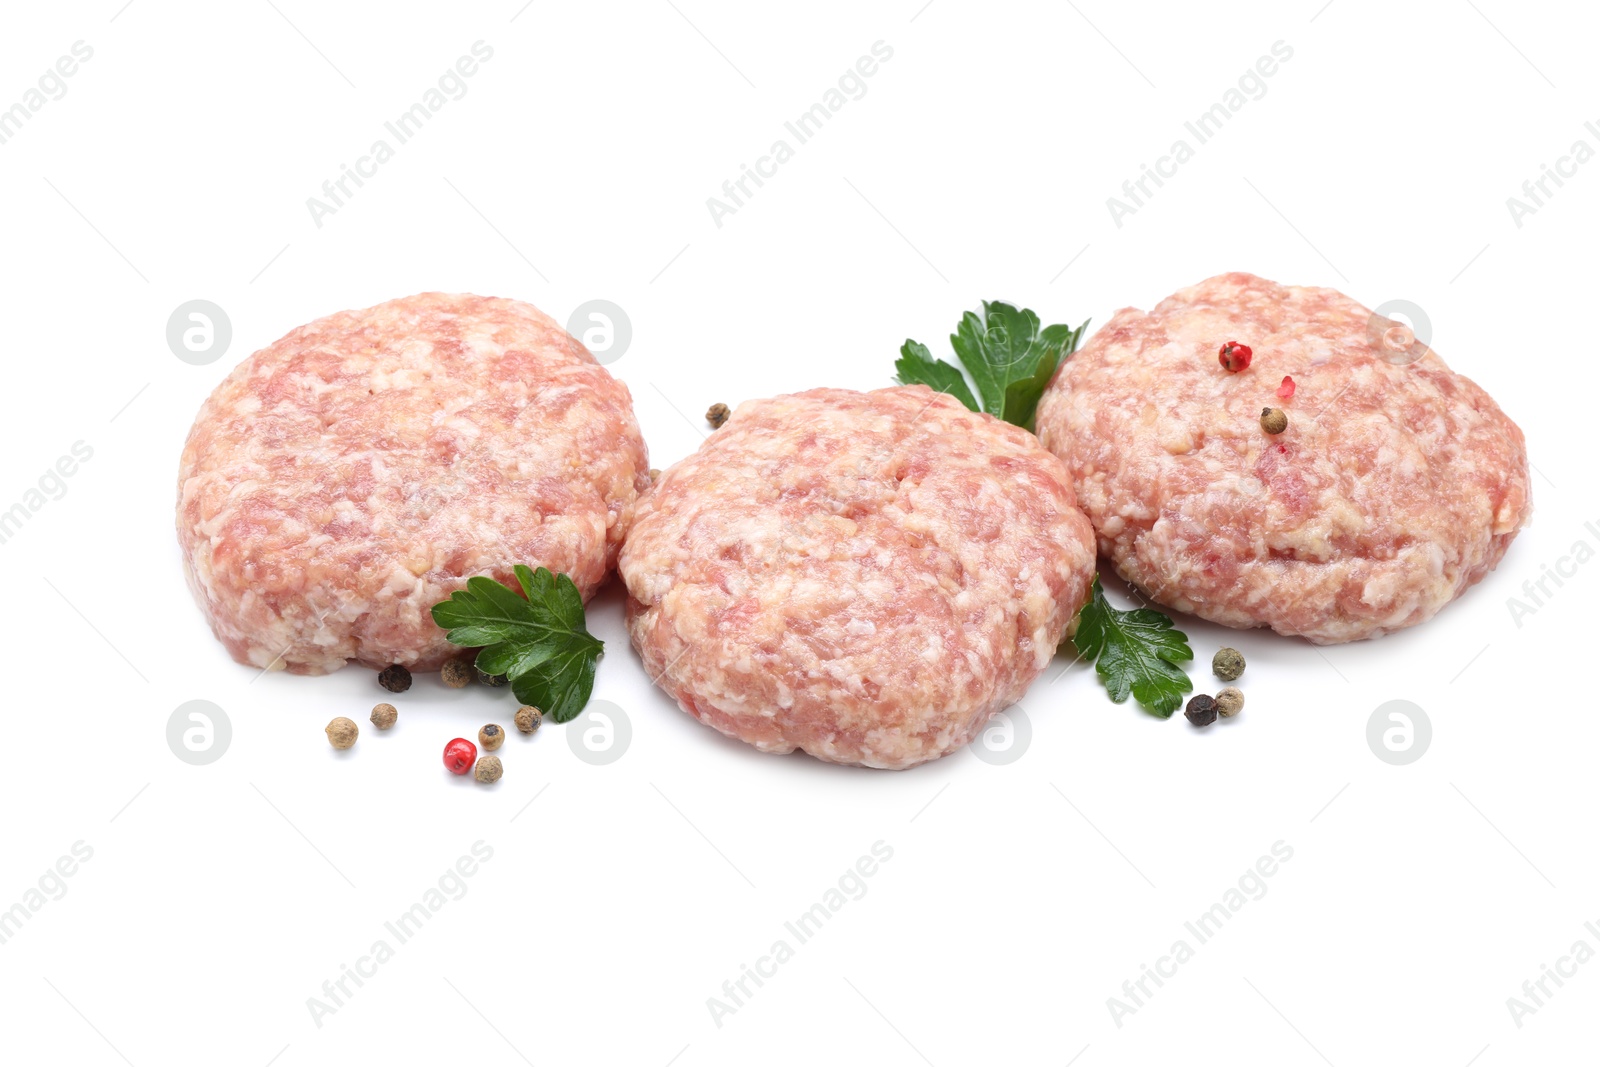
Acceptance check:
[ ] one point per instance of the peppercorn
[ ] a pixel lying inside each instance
(528, 718)
(1234, 357)
(716, 415)
(655, 475)
(1274, 421)
(491, 737)
(395, 678)
(1227, 664)
(488, 770)
(1230, 701)
(341, 732)
(488, 679)
(455, 673)
(1202, 710)
(1286, 388)
(384, 715)
(459, 754)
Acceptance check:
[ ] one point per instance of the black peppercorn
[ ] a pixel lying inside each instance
(716, 415)
(1202, 710)
(488, 679)
(395, 678)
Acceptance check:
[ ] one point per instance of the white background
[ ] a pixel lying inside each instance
(1019, 898)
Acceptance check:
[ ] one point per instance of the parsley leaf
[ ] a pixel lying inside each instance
(537, 640)
(916, 365)
(1009, 357)
(1135, 651)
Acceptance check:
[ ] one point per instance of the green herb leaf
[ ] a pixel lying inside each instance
(916, 366)
(1135, 652)
(1009, 358)
(537, 640)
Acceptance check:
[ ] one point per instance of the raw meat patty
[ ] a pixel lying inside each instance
(865, 576)
(1397, 485)
(342, 481)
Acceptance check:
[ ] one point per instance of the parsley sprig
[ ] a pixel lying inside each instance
(1135, 652)
(537, 640)
(1009, 357)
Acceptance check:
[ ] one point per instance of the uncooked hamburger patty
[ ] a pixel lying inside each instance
(343, 480)
(865, 576)
(1396, 486)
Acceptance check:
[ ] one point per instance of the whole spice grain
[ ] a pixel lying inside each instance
(455, 673)
(459, 754)
(1274, 421)
(1201, 710)
(488, 679)
(491, 737)
(716, 415)
(488, 770)
(1227, 664)
(342, 732)
(528, 718)
(384, 715)
(1230, 701)
(395, 678)
(1234, 357)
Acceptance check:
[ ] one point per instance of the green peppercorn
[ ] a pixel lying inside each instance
(1230, 702)
(1274, 421)
(1202, 710)
(1227, 664)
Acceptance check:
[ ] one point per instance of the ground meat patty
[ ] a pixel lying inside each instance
(343, 480)
(1396, 486)
(865, 576)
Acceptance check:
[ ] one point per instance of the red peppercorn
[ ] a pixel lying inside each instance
(1234, 356)
(459, 755)
(1286, 388)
